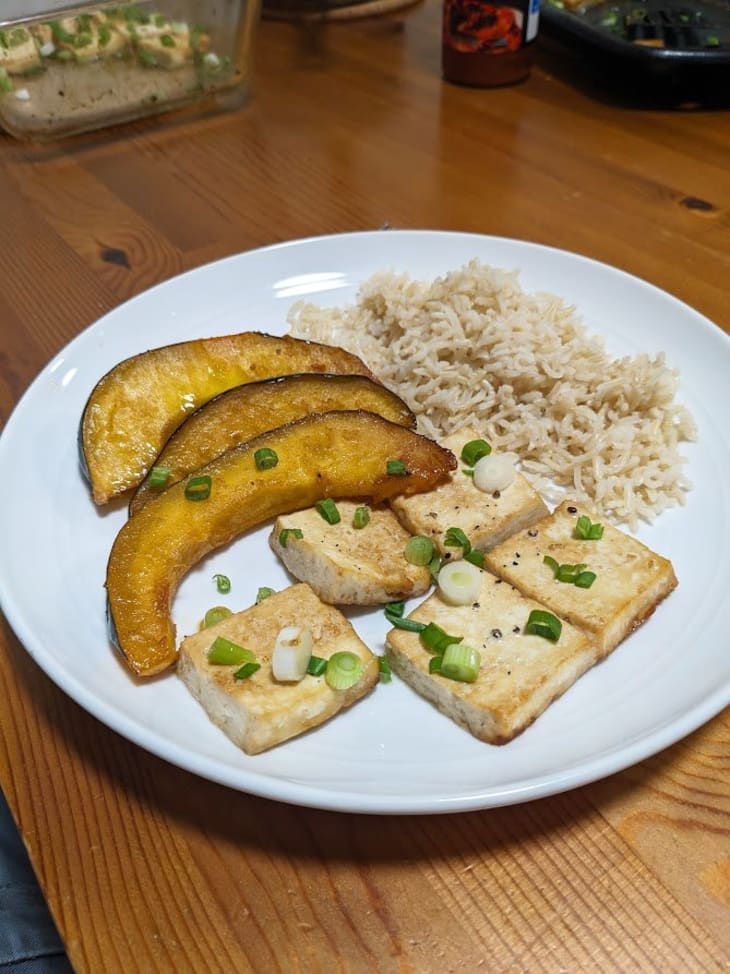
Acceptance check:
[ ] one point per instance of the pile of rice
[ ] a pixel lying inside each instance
(473, 347)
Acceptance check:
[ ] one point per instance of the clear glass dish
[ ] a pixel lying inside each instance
(69, 67)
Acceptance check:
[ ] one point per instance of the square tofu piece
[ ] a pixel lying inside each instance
(18, 51)
(486, 519)
(519, 674)
(259, 712)
(346, 565)
(630, 582)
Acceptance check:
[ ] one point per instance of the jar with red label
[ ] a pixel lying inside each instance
(487, 44)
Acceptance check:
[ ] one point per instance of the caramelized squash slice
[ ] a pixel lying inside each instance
(337, 455)
(249, 410)
(135, 407)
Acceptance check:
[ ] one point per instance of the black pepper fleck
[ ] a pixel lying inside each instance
(496, 495)
(515, 628)
(517, 554)
(572, 510)
(515, 563)
(532, 533)
(497, 633)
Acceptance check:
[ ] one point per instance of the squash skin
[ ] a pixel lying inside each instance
(137, 405)
(246, 411)
(338, 455)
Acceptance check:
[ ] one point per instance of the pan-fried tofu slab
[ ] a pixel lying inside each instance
(519, 674)
(347, 565)
(485, 518)
(259, 712)
(631, 580)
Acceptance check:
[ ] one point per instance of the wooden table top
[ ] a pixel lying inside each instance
(148, 868)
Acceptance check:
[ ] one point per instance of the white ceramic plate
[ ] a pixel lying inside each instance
(392, 752)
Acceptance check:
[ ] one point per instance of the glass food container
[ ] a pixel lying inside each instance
(67, 67)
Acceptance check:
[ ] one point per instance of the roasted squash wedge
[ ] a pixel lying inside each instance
(249, 410)
(340, 454)
(135, 407)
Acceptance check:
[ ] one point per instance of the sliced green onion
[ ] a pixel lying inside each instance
(460, 582)
(434, 664)
(419, 550)
(586, 530)
(223, 652)
(361, 517)
(158, 476)
(410, 625)
(265, 458)
(396, 468)
(545, 624)
(198, 488)
(223, 583)
(287, 533)
(317, 665)
(247, 670)
(475, 557)
(384, 670)
(585, 579)
(263, 593)
(460, 663)
(549, 560)
(344, 669)
(436, 640)
(328, 510)
(569, 573)
(395, 608)
(217, 614)
(474, 450)
(434, 567)
(467, 472)
(291, 655)
(455, 538)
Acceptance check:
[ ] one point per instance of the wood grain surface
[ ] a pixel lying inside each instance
(147, 868)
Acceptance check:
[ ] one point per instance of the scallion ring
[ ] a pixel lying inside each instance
(436, 640)
(474, 450)
(395, 608)
(198, 488)
(586, 530)
(419, 550)
(317, 665)
(455, 538)
(384, 670)
(344, 669)
(460, 662)
(247, 670)
(396, 468)
(263, 593)
(158, 476)
(585, 579)
(361, 517)
(265, 458)
(460, 582)
(287, 533)
(328, 510)
(545, 624)
(223, 652)
(222, 583)
(217, 614)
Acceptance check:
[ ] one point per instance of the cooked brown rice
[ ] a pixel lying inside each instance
(473, 347)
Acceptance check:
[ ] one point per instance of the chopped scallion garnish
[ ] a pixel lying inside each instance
(396, 468)
(461, 663)
(247, 670)
(474, 450)
(158, 476)
(434, 664)
(384, 669)
(222, 583)
(436, 640)
(217, 614)
(585, 579)
(343, 671)
(586, 530)
(361, 517)
(328, 510)
(395, 608)
(434, 567)
(418, 550)
(475, 557)
(223, 652)
(198, 488)
(316, 666)
(263, 593)
(455, 538)
(287, 533)
(410, 625)
(545, 624)
(265, 458)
